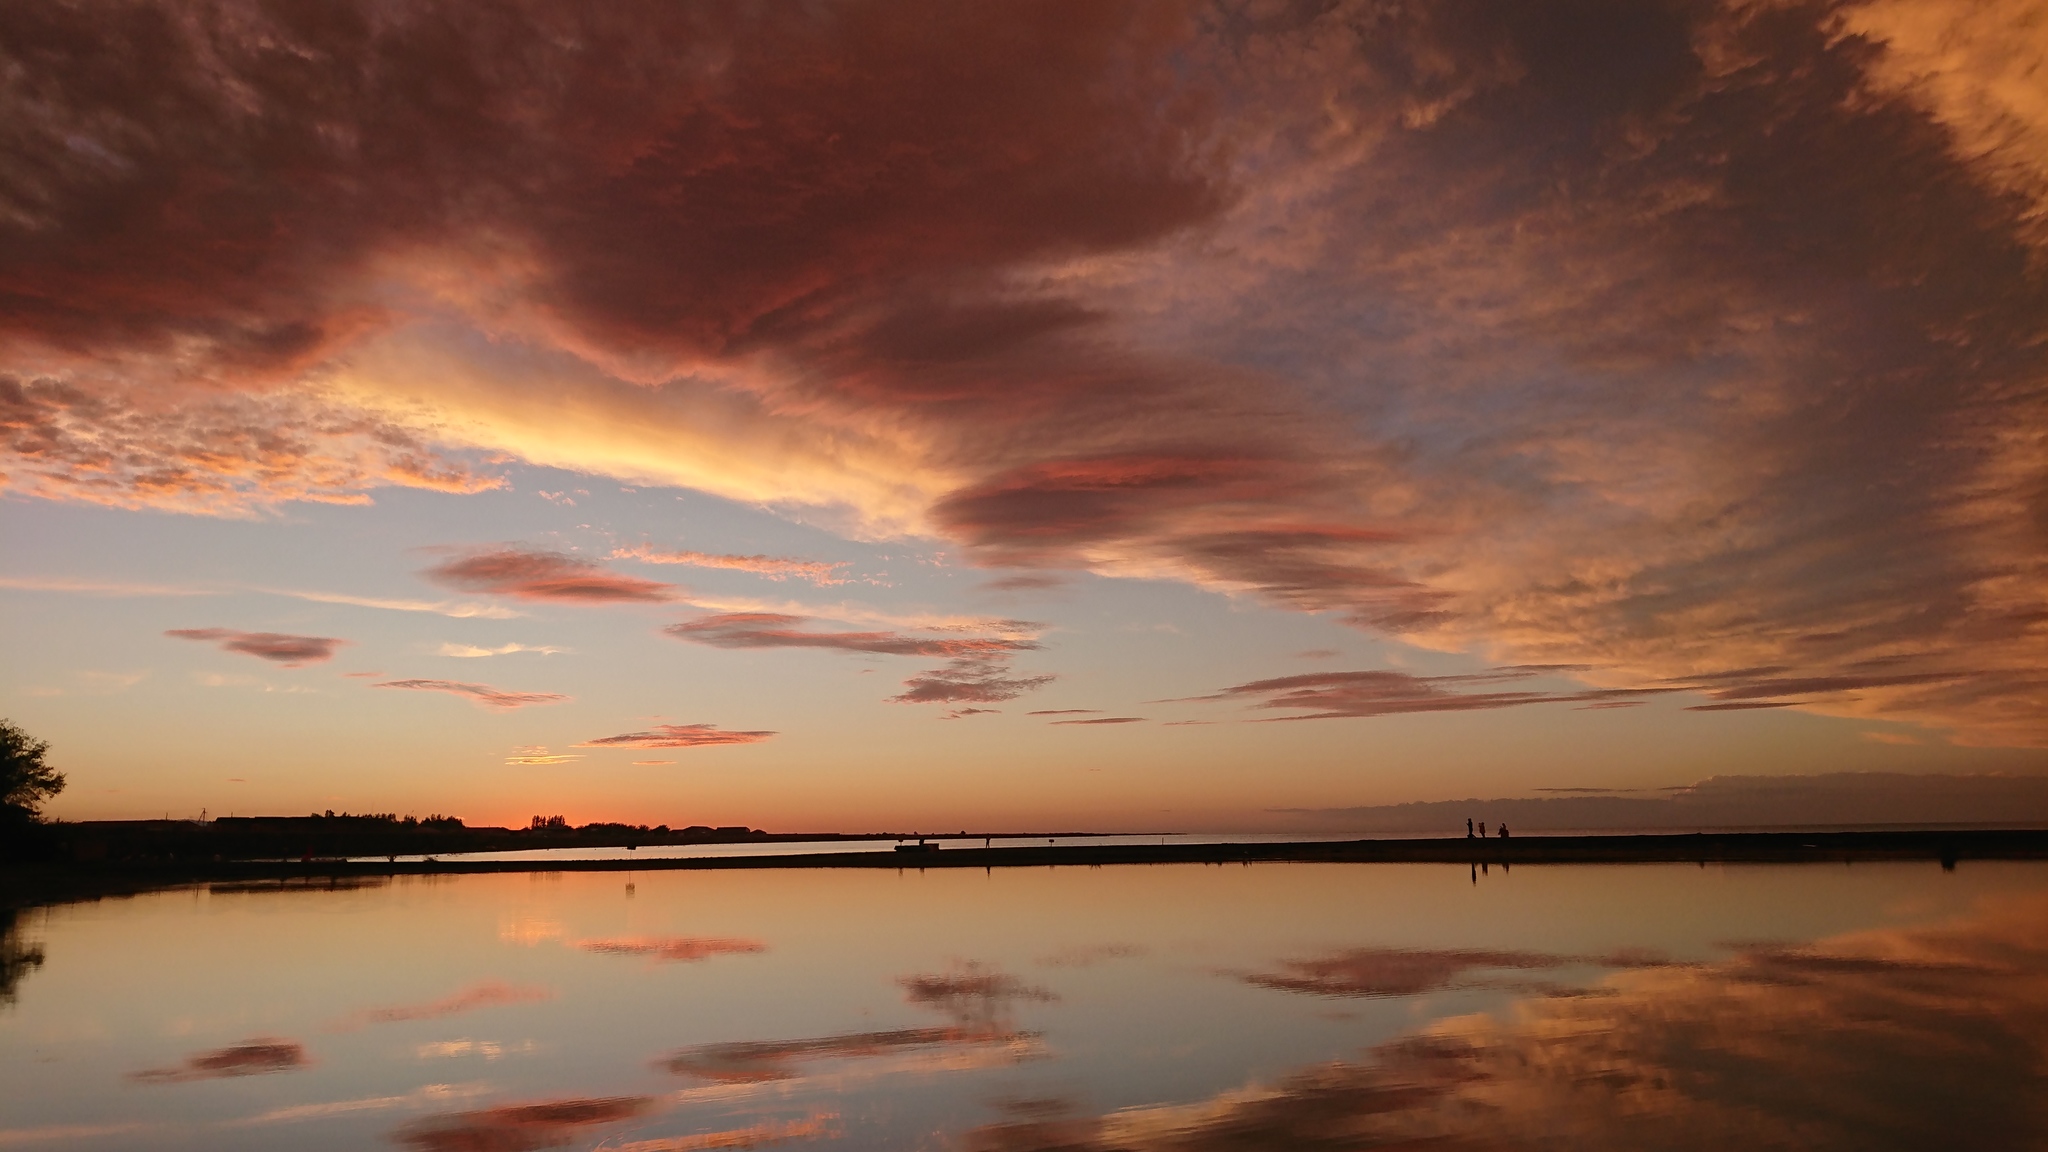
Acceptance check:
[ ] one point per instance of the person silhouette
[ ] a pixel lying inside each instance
(1503, 833)
(1482, 829)
(1468, 828)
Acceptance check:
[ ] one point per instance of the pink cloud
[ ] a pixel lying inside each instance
(1103, 720)
(277, 647)
(483, 695)
(675, 736)
(532, 575)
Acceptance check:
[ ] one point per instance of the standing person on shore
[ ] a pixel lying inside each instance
(1503, 833)
(1468, 827)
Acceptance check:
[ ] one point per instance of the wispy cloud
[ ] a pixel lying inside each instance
(460, 610)
(91, 587)
(676, 736)
(276, 647)
(485, 696)
(535, 754)
(1102, 720)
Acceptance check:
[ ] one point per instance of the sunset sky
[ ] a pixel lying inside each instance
(909, 414)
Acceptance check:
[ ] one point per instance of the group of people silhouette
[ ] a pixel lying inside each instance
(1481, 834)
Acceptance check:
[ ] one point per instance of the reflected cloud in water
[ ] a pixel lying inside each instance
(672, 947)
(487, 994)
(979, 999)
(824, 1126)
(1898, 1039)
(1087, 956)
(519, 1127)
(1411, 972)
(760, 1061)
(975, 995)
(249, 1058)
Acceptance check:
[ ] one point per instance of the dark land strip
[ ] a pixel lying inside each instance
(32, 884)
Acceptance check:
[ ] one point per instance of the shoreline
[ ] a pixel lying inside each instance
(24, 886)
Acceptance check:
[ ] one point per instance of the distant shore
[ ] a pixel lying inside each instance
(28, 885)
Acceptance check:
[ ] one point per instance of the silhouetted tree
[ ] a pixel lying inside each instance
(25, 779)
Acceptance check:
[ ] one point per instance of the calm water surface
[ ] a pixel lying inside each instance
(1184, 1008)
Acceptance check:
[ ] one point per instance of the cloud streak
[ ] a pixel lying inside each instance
(482, 695)
(774, 630)
(484, 994)
(672, 948)
(677, 736)
(822, 573)
(532, 575)
(276, 647)
(520, 1127)
(249, 1058)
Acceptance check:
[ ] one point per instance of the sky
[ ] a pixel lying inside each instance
(901, 414)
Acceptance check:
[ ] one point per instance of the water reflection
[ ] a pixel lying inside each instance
(1410, 972)
(1903, 1039)
(1168, 1009)
(519, 1127)
(17, 957)
(249, 1058)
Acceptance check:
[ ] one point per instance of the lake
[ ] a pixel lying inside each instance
(1173, 1007)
